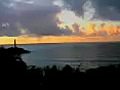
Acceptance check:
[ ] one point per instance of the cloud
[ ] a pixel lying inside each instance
(108, 9)
(38, 17)
(7, 16)
(104, 9)
(34, 17)
(40, 22)
(76, 6)
(87, 17)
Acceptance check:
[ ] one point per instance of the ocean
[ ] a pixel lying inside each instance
(86, 55)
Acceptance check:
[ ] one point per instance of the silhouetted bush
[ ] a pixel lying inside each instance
(15, 74)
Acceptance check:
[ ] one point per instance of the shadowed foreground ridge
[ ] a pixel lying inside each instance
(15, 74)
(13, 68)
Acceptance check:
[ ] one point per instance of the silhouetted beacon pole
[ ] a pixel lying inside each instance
(15, 43)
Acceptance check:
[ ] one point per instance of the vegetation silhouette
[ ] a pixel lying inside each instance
(16, 74)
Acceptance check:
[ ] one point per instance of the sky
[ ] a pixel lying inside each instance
(33, 18)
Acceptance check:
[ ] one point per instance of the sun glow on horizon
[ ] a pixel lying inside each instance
(56, 39)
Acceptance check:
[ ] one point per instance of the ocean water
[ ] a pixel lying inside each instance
(85, 54)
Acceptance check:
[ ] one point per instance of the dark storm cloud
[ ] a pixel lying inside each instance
(105, 9)
(7, 19)
(37, 16)
(75, 5)
(108, 9)
(40, 21)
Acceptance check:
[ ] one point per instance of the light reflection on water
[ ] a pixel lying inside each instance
(84, 54)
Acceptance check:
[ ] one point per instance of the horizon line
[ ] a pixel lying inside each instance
(63, 43)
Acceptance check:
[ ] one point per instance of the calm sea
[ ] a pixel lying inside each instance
(84, 54)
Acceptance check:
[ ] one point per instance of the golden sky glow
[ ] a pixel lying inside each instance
(56, 39)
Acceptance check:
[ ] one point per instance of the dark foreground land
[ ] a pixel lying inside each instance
(15, 75)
